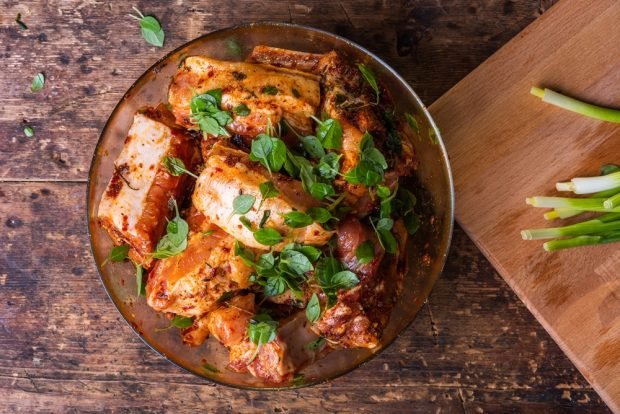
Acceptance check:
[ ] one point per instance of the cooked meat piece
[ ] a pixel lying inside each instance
(196, 334)
(228, 173)
(134, 207)
(270, 93)
(284, 58)
(190, 283)
(360, 314)
(276, 361)
(229, 323)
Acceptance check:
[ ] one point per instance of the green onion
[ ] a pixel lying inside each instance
(588, 185)
(574, 105)
(580, 229)
(582, 204)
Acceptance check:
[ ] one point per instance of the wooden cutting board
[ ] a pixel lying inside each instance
(505, 144)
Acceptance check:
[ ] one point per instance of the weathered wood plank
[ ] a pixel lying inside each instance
(91, 52)
(65, 346)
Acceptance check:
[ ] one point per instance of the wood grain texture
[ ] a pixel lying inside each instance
(64, 348)
(522, 147)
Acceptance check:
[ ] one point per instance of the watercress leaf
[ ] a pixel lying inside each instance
(209, 125)
(413, 123)
(264, 219)
(297, 219)
(21, 24)
(234, 48)
(345, 279)
(246, 255)
(375, 156)
(319, 214)
(262, 329)
(367, 142)
(208, 367)
(384, 224)
(313, 309)
(241, 110)
(151, 31)
(246, 223)
(369, 76)
(329, 166)
(365, 252)
(313, 146)
(175, 239)
(311, 252)
(274, 286)
(387, 240)
(294, 262)
(315, 345)
(412, 223)
(243, 203)
(38, 82)
(269, 90)
(140, 289)
(366, 172)
(268, 190)
(265, 263)
(291, 166)
(267, 236)
(325, 269)
(322, 190)
(29, 132)
(329, 132)
(117, 254)
(307, 176)
(181, 322)
(432, 135)
(269, 151)
(383, 192)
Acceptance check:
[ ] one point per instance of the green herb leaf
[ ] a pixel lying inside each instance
(207, 233)
(366, 172)
(313, 146)
(269, 90)
(319, 214)
(383, 192)
(181, 322)
(175, 240)
(140, 288)
(298, 379)
(234, 48)
(243, 203)
(322, 190)
(21, 24)
(246, 223)
(313, 309)
(150, 28)
(329, 133)
(117, 254)
(365, 252)
(413, 123)
(262, 329)
(246, 255)
(208, 367)
(387, 241)
(369, 77)
(297, 219)
(432, 135)
(267, 236)
(29, 132)
(269, 151)
(242, 110)
(315, 345)
(205, 111)
(311, 252)
(267, 191)
(176, 166)
(345, 279)
(412, 223)
(294, 262)
(264, 219)
(329, 166)
(38, 82)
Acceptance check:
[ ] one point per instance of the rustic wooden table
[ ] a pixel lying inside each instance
(63, 346)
